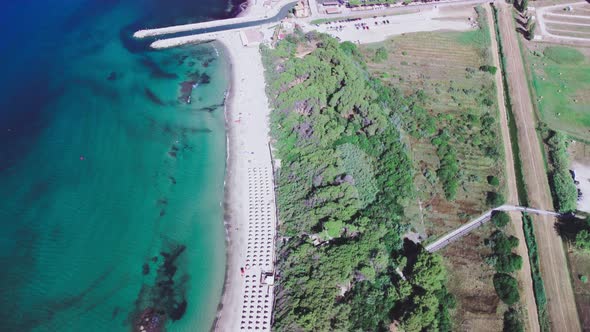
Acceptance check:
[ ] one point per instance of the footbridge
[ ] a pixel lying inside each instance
(465, 229)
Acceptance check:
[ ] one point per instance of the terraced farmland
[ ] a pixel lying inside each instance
(443, 70)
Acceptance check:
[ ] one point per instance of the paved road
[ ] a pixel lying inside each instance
(561, 303)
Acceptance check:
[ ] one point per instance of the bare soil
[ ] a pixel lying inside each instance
(478, 306)
(437, 63)
(561, 303)
(526, 282)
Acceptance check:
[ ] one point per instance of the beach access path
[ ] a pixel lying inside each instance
(248, 296)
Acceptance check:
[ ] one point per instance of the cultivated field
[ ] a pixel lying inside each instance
(442, 68)
(561, 81)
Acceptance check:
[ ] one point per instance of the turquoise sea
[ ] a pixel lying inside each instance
(110, 180)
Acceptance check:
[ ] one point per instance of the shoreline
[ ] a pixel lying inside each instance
(249, 197)
(230, 259)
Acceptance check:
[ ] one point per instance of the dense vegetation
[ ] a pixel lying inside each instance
(344, 180)
(507, 288)
(565, 193)
(500, 219)
(538, 286)
(512, 321)
(504, 260)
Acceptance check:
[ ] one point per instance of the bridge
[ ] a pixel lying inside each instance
(465, 229)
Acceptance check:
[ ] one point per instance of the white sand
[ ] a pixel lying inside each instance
(249, 181)
(247, 126)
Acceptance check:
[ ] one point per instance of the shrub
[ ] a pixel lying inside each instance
(565, 193)
(500, 219)
(495, 199)
(512, 321)
(509, 263)
(448, 171)
(538, 286)
(493, 181)
(502, 244)
(490, 69)
(583, 240)
(506, 288)
(380, 54)
(359, 166)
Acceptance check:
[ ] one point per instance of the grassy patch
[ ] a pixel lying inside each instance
(564, 55)
(561, 81)
(326, 20)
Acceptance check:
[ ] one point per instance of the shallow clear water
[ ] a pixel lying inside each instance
(110, 182)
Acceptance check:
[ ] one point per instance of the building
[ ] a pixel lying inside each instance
(333, 10)
(302, 9)
(252, 37)
(331, 3)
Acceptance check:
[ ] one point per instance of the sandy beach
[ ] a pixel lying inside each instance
(247, 131)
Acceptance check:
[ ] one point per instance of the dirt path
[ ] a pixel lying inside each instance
(560, 297)
(532, 320)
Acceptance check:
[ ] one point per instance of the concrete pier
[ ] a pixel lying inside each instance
(255, 13)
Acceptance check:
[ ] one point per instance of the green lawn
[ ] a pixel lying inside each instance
(561, 82)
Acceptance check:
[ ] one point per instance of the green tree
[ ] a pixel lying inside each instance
(502, 244)
(508, 263)
(428, 272)
(506, 288)
(380, 54)
(500, 219)
(422, 316)
(565, 193)
(493, 181)
(513, 321)
(494, 199)
(583, 240)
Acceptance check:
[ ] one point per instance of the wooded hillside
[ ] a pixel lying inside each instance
(344, 180)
